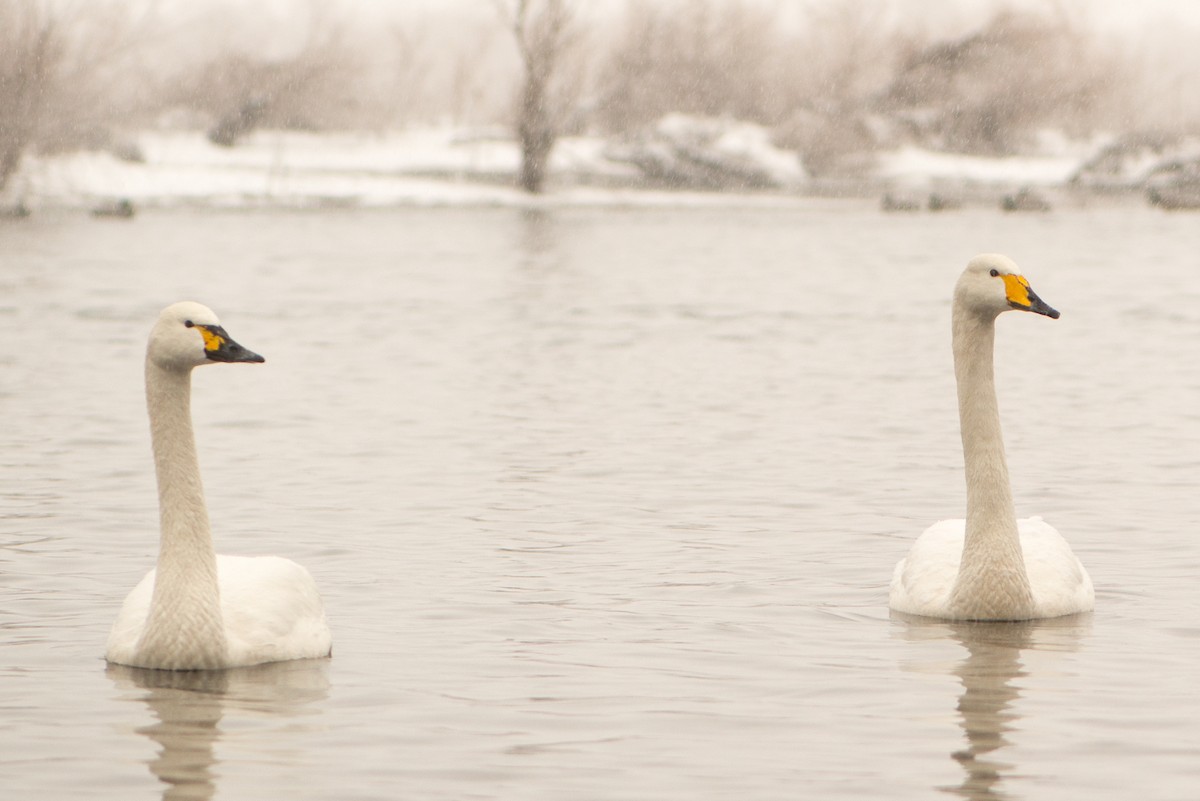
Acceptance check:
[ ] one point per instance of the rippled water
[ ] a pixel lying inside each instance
(603, 503)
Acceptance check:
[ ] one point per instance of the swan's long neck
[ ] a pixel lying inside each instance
(184, 627)
(992, 582)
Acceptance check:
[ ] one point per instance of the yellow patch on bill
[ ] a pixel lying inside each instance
(212, 341)
(1016, 288)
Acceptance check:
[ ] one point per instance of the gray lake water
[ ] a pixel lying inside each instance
(604, 503)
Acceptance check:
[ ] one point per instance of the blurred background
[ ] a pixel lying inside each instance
(142, 100)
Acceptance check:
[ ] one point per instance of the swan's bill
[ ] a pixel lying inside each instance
(1021, 296)
(220, 347)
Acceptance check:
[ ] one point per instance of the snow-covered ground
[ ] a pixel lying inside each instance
(280, 168)
(914, 167)
(449, 167)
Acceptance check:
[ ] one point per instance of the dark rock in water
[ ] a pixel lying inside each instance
(890, 202)
(1025, 200)
(942, 203)
(121, 208)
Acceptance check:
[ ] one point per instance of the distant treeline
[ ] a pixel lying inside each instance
(837, 81)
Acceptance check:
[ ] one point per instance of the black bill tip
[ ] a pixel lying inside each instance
(220, 347)
(1039, 306)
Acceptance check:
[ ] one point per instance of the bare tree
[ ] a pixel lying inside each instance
(30, 52)
(544, 31)
(63, 75)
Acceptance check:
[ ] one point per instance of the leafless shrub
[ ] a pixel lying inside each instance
(845, 80)
(701, 58)
(311, 89)
(837, 143)
(831, 73)
(1159, 90)
(988, 92)
(812, 83)
(471, 83)
(445, 66)
(412, 56)
(61, 70)
(29, 55)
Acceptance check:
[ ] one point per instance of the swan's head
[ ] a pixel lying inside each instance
(992, 284)
(188, 335)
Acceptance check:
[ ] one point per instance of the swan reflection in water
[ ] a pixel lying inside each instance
(190, 704)
(988, 675)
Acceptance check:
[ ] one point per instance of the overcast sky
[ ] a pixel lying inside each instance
(1108, 13)
(1141, 20)
(1114, 13)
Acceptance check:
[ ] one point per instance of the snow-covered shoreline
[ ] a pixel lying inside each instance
(447, 167)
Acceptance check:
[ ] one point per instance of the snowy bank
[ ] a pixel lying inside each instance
(911, 166)
(451, 167)
(294, 169)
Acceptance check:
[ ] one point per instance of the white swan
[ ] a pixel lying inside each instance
(990, 566)
(197, 610)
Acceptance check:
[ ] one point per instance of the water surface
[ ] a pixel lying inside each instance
(604, 503)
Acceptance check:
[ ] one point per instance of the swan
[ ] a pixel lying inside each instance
(990, 566)
(196, 610)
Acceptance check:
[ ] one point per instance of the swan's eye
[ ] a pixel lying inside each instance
(994, 273)
(190, 324)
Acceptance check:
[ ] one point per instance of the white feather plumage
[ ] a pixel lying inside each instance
(989, 566)
(197, 610)
(922, 581)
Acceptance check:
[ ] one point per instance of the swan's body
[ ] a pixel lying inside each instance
(1057, 582)
(197, 610)
(990, 566)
